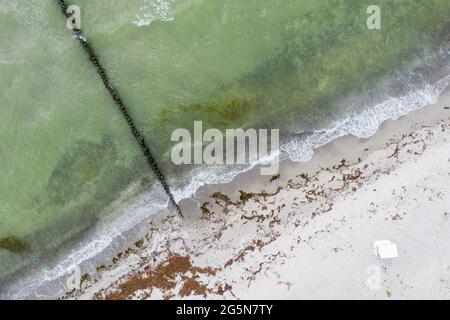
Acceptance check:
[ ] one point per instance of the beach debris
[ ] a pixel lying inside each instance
(206, 213)
(286, 283)
(175, 270)
(245, 196)
(123, 109)
(304, 176)
(385, 249)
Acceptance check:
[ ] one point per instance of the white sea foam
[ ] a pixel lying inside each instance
(362, 124)
(153, 10)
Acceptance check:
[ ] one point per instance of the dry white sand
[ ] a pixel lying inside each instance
(309, 233)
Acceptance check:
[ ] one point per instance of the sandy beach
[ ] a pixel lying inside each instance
(308, 233)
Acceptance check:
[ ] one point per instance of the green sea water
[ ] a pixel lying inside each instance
(66, 155)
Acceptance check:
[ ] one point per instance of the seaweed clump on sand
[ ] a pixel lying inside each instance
(13, 244)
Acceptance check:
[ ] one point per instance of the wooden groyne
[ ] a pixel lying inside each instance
(122, 108)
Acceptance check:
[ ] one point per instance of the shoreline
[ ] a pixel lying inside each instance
(179, 259)
(129, 219)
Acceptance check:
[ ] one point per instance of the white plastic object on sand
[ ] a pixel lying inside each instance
(385, 249)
